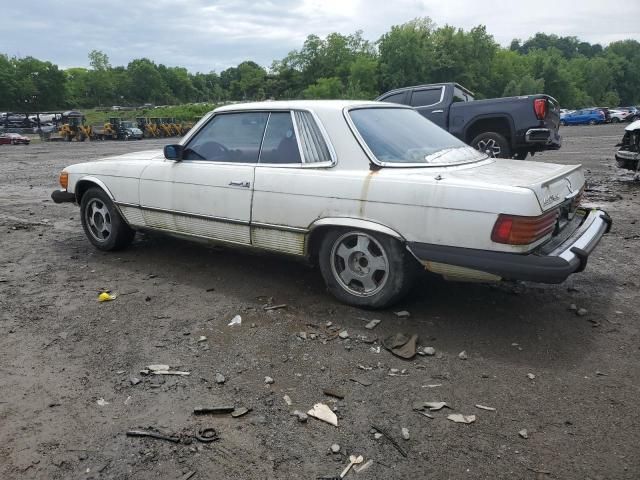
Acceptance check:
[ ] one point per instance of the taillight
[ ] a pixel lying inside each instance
(540, 107)
(515, 230)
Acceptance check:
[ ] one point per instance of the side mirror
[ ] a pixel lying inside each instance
(173, 152)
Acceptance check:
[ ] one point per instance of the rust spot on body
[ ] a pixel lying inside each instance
(364, 193)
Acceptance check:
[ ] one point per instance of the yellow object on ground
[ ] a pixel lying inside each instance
(106, 297)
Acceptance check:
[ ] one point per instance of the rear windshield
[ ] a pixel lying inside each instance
(403, 136)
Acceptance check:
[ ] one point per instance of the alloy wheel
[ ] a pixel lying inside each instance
(98, 220)
(359, 263)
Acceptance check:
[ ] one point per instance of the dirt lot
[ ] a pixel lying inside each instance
(62, 352)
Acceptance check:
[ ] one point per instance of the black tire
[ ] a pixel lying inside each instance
(592, 122)
(493, 144)
(95, 225)
(563, 123)
(390, 285)
(615, 120)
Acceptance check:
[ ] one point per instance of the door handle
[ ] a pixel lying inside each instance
(240, 184)
(437, 111)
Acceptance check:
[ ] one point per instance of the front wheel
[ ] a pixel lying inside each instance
(102, 224)
(493, 144)
(615, 120)
(365, 269)
(592, 122)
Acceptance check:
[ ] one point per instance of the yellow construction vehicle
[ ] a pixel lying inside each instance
(148, 128)
(73, 127)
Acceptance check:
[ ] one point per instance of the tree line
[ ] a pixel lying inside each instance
(576, 73)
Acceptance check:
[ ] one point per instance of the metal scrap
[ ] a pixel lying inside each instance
(386, 434)
(152, 434)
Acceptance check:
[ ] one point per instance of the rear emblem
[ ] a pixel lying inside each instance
(550, 199)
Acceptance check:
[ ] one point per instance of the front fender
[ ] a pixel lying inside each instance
(83, 183)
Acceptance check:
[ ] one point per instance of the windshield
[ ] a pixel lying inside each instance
(129, 125)
(403, 136)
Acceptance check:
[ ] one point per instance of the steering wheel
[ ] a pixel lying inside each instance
(213, 150)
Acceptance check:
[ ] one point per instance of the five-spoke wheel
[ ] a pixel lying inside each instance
(102, 224)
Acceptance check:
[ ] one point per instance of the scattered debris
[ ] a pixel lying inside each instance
(335, 448)
(523, 433)
(268, 380)
(601, 374)
(377, 435)
(372, 324)
(171, 372)
(364, 466)
(573, 307)
(190, 474)
(395, 372)
(102, 402)
(402, 314)
(237, 320)
(433, 406)
(535, 470)
(333, 393)
(582, 312)
(425, 414)
(240, 411)
(531, 376)
(202, 338)
(152, 434)
(405, 433)
(207, 435)
(220, 378)
(302, 417)
(391, 439)
(343, 334)
(362, 381)
(287, 400)
(429, 351)
(463, 355)
(213, 410)
(483, 407)
(106, 297)
(274, 307)
(134, 380)
(459, 418)
(324, 413)
(353, 460)
(366, 369)
(401, 345)
(159, 367)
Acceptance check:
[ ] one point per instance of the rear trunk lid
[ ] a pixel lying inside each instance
(553, 184)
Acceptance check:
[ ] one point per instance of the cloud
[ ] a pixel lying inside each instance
(213, 35)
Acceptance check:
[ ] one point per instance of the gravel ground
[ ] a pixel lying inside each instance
(67, 362)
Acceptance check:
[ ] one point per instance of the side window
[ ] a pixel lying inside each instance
(396, 98)
(229, 137)
(280, 144)
(424, 98)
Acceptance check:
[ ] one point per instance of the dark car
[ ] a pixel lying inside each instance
(585, 116)
(14, 139)
(501, 127)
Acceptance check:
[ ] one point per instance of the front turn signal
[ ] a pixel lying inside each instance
(63, 179)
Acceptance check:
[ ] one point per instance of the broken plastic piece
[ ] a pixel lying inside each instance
(459, 418)
(106, 297)
(237, 320)
(483, 407)
(324, 413)
(401, 345)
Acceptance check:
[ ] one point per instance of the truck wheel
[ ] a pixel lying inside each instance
(102, 224)
(493, 144)
(365, 269)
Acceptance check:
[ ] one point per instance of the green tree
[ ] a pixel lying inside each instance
(324, 88)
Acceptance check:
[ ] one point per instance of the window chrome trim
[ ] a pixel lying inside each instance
(431, 104)
(354, 130)
(304, 164)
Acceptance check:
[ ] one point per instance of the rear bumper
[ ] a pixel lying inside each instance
(543, 138)
(554, 267)
(62, 196)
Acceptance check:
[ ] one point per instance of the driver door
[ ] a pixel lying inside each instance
(207, 194)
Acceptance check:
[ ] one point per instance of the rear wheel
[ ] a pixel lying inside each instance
(365, 269)
(615, 120)
(493, 144)
(102, 224)
(592, 122)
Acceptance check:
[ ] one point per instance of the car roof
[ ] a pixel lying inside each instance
(336, 105)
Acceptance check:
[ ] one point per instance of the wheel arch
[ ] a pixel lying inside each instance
(320, 227)
(85, 183)
(502, 124)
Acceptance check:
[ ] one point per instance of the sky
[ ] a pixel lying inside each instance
(213, 35)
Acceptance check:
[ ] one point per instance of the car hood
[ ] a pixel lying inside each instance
(633, 126)
(128, 165)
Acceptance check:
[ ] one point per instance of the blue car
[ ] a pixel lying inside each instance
(586, 116)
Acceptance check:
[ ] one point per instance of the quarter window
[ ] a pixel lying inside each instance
(396, 98)
(280, 144)
(314, 147)
(423, 98)
(229, 137)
